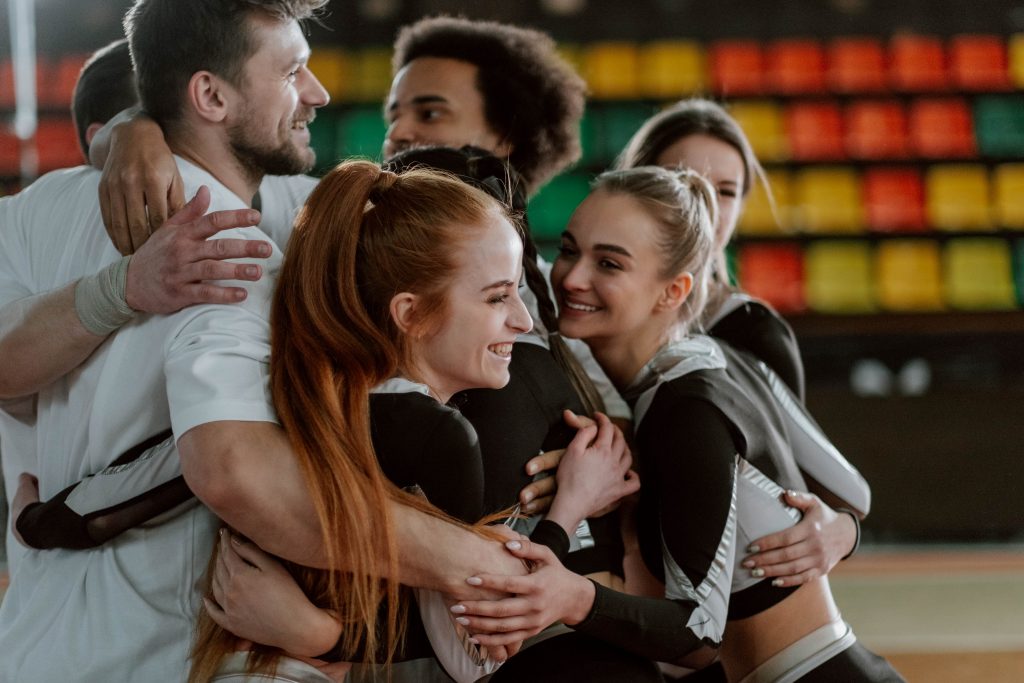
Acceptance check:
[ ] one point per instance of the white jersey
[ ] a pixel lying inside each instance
(125, 611)
(280, 198)
(17, 417)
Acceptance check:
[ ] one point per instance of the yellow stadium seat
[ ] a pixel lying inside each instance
(371, 80)
(612, 70)
(1016, 59)
(838, 277)
(1008, 185)
(763, 122)
(572, 53)
(758, 218)
(909, 275)
(828, 200)
(333, 69)
(672, 68)
(957, 197)
(979, 274)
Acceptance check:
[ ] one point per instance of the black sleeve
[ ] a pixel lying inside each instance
(761, 331)
(141, 484)
(553, 536)
(688, 458)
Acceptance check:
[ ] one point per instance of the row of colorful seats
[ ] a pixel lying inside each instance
(894, 275)
(56, 147)
(850, 65)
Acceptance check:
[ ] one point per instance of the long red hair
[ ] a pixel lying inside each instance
(363, 236)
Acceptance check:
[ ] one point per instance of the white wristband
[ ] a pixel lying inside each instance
(100, 299)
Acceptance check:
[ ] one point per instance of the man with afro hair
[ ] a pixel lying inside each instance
(496, 86)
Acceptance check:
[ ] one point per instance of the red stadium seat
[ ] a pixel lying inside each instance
(795, 67)
(917, 64)
(941, 128)
(894, 200)
(815, 131)
(775, 273)
(737, 68)
(979, 63)
(857, 65)
(876, 130)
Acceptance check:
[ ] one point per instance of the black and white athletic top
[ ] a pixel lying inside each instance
(719, 437)
(752, 325)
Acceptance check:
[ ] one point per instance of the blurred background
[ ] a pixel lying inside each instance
(893, 136)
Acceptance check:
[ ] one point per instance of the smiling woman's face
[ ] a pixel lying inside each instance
(608, 275)
(471, 346)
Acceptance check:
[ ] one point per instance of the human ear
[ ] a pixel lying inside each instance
(207, 97)
(403, 308)
(675, 292)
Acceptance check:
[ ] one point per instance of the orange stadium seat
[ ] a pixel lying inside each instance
(876, 130)
(894, 200)
(979, 63)
(941, 128)
(795, 67)
(815, 131)
(737, 68)
(58, 87)
(917, 64)
(57, 145)
(775, 273)
(857, 65)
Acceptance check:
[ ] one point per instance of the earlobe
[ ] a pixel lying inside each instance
(403, 309)
(207, 97)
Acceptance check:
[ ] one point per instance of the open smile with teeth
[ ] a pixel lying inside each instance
(300, 125)
(504, 349)
(573, 306)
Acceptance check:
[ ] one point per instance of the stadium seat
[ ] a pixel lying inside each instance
(978, 63)
(815, 131)
(1018, 269)
(795, 67)
(773, 272)
(371, 74)
(6, 84)
(610, 126)
(839, 277)
(550, 210)
(876, 130)
(999, 125)
(857, 65)
(828, 200)
(758, 218)
(917, 64)
(737, 68)
(612, 70)
(941, 129)
(670, 69)
(333, 69)
(1008, 185)
(1015, 57)
(979, 274)
(361, 132)
(894, 200)
(762, 121)
(10, 154)
(909, 275)
(958, 197)
(58, 86)
(323, 138)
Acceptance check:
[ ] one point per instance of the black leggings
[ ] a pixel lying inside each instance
(576, 657)
(855, 664)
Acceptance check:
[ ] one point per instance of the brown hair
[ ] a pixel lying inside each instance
(684, 203)
(105, 87)
(694, 116)
(364, 235)
(532, 97)
(173, 39)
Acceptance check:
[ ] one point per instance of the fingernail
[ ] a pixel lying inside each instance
(778, 582)
(529, 507)
(757, 572)
(753, 548)
(748, 563)
(250, 271)
(458, 609)
(513, 545)
(527, 495)
(474, 641)
(264, 250)
(531, 469)
(462, 620)
(474, 581)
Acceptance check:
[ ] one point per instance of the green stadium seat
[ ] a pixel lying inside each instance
(550, 210)
(999, 125)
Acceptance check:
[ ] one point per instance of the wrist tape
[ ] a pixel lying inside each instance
(100, 299)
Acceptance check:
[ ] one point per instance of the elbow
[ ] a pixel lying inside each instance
(214, 471)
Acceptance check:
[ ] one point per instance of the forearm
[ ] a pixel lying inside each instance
(246, 473)
(41, 340)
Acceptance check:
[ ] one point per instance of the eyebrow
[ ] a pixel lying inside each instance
(499, 283)
(614, 248)
(421, 99)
